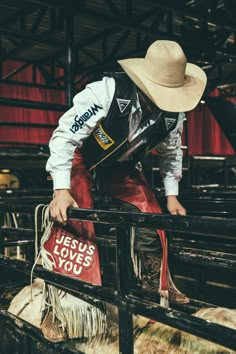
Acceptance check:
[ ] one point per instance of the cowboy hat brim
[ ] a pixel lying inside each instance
(172, 99)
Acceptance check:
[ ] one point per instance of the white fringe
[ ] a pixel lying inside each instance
(134, 255)
(164, 294)
(171, 284)
(78, 317)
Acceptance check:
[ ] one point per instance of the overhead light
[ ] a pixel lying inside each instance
(5, 171)
(202, 102)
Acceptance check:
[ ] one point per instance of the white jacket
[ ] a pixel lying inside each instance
(67, 136)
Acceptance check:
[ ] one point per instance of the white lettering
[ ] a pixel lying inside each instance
(64, 252)
(72, 255)
(55, 251)
(74, 243)
(77, 270)
(67, 241)
(87, 261)
(80, 258)
(68, 266)
(91, 250)
(59, 241)
(82, 247)
(61, 261)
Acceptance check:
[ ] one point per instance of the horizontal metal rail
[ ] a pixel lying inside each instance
(35, 334)
(204, 242)
(202, 225)
(18, 208)
(17, 232)
(211, 259)
(177, 319)
(9, 243)
(191, 255)
(35, 192)
(26, 199)
(121, 296)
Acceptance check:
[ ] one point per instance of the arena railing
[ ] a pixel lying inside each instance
(122, 296)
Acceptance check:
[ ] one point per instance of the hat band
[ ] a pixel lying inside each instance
(165, 84)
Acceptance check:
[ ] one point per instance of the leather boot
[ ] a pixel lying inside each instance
(149, 282)
(52, 329)
(150, 275)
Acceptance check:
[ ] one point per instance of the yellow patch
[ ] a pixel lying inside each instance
(103, 139)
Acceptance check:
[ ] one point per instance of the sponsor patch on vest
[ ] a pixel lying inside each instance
(169, 122)
(103, 139)
(122, 104)
(79, 121)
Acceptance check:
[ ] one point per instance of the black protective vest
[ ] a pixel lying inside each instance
(109, 139)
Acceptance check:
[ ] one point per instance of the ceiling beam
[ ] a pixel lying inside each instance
(117, 22)
(45, 39)
(173, 6)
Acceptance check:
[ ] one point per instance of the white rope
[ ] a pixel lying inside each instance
(135, 261)
(45, 225)
(80, 318)
(171, 284)
(164, 294)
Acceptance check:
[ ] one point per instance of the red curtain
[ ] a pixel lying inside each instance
(13, 114)
(204, 134)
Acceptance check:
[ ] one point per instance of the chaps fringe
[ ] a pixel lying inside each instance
(79, 318)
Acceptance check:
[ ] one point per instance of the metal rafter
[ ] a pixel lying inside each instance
(44, 38)
(178, 7)
(202, 14)
(228, 90)
(113, 8)
(121, 23)
(14, 72)
(136, 26)
(40, 15)
(119, 44)
(48, 76)
(52, 81)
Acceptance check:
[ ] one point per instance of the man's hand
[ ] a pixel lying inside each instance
(174, 206)
(61, 202)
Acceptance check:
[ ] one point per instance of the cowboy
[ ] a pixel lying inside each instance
(113, 124)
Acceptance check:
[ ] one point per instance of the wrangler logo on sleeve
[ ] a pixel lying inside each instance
(79, 121)
(103, 139)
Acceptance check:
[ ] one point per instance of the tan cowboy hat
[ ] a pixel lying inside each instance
(166, 78)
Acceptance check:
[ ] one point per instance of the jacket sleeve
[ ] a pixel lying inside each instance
(170, 158)
(90, 106)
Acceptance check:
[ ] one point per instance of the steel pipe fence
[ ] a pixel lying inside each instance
(130, 304)
(178, 252)
(122, 296)
(35, 334)
(201, 225)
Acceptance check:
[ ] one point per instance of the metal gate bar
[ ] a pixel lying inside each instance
(177, 319)
(128, 304)
(35, 334)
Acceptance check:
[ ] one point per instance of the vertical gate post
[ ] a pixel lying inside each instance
(69, 73)
(124, 282)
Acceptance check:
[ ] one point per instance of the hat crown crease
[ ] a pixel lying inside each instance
(165, 64)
